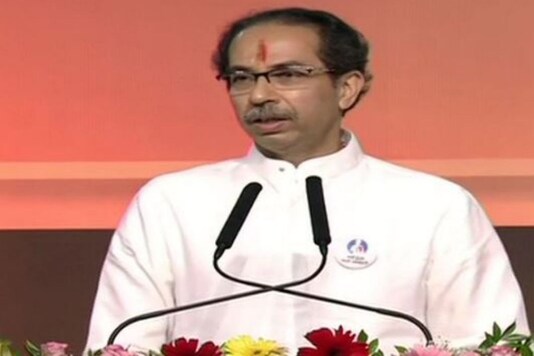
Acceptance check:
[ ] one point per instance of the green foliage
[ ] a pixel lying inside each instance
(362, 337)
(32, 349)
(508, 337)
(373, 344)
(401, 350)
(518, 342)
(374, 349)
(6, 348)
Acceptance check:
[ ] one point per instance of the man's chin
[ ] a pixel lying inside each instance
(277, 143)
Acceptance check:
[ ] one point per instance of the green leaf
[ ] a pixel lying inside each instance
(94, 353)
(492, 338)
(525, 351)
(373, 345)
(32, 349)
(378, 353)
(401, 349)
(516, 337)
(362, 336)
(486, 344)
(510, 329)
(497, 333)
(6, 349)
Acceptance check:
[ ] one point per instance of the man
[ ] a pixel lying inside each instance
(400, 239)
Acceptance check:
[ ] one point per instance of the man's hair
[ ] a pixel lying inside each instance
(342, 47)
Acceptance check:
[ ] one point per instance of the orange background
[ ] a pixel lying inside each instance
(98, 96)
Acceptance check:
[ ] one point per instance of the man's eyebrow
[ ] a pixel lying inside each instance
(289, 64)
(271, 67)
(239, 69)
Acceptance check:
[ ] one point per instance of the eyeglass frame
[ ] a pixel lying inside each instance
(311, 72)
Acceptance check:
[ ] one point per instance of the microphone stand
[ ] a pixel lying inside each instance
(226, 238)
(282, 289)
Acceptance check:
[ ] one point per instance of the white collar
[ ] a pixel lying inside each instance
(327, 166)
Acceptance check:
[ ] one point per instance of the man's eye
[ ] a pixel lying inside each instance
(239, 78)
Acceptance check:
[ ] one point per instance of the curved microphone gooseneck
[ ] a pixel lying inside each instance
(226, 238)
(321, 236)
(282, 289)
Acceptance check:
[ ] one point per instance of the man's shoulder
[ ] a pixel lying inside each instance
(207, 176)
(407, 188)
(211, 170)
(397, 177)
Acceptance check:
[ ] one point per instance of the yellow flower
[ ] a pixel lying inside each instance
(247, 346)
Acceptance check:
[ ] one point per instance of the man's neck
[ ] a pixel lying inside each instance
(298, 156)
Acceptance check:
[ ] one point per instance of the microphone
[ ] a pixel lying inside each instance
(321, 231)
(237, 217)
(319, 219)
(321, 237)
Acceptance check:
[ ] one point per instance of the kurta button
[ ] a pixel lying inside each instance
(282, 169)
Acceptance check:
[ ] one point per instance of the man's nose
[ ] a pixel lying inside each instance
(262, 92)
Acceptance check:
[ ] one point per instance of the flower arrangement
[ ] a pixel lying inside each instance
(324, 342)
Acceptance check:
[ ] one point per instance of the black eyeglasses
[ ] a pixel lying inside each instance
(285, 78)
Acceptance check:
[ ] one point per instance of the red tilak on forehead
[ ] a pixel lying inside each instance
(262, 51)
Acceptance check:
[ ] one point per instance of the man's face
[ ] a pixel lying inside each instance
(295, 123)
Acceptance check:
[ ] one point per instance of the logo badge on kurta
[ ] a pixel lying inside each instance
(356, 254)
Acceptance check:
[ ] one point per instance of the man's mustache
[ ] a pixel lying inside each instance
(263, 113)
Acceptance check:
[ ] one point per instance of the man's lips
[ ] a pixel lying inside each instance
(270, 125)
(270, 119)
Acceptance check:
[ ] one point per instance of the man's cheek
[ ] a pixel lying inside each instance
(239, 107)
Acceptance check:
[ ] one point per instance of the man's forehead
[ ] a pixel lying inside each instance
(261, 54)
(265, 45)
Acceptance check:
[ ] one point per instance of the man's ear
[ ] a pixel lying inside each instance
(349, 87)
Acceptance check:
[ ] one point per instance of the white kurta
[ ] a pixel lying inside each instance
(431, 252)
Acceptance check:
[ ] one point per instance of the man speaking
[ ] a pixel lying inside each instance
(401, 240)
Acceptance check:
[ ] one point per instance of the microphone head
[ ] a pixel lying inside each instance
(319, 218)
(237, 216)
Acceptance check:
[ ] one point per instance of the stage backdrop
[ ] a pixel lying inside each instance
(98, 96)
